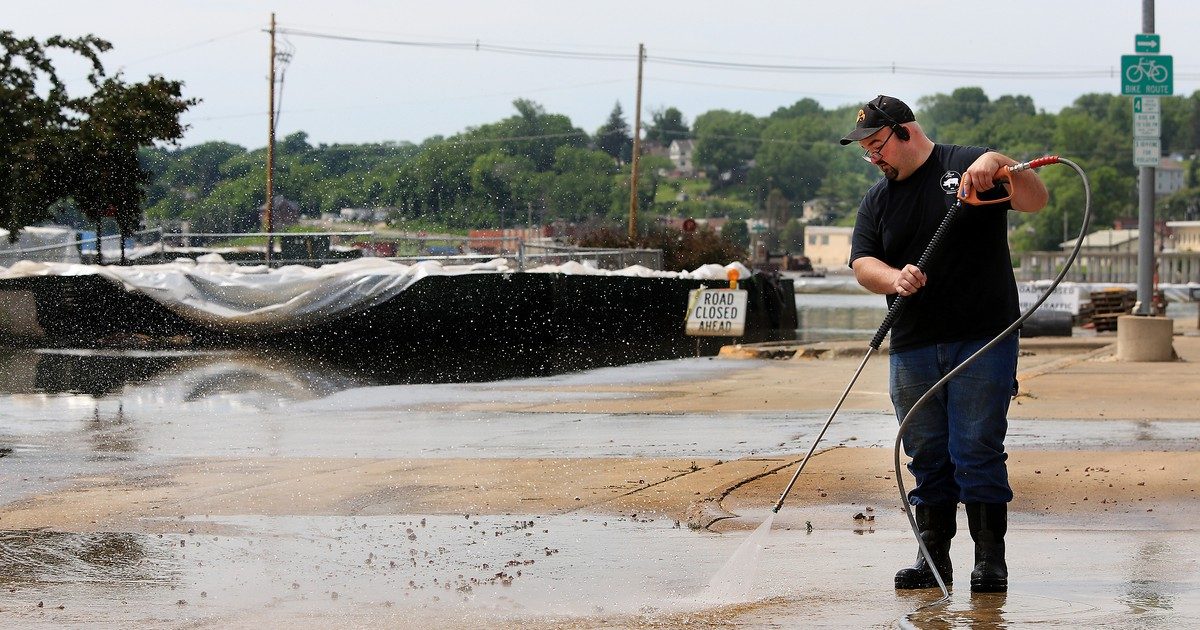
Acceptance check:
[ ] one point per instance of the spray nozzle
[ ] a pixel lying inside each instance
(1001, 176)
(1004, 176)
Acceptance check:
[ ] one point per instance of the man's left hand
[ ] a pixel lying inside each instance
(980, 176)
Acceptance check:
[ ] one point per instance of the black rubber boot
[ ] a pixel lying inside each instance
(936, 524)
(988, 523)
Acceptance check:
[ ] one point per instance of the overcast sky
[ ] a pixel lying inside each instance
(345, 91)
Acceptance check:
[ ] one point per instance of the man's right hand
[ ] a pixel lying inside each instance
(908, 280)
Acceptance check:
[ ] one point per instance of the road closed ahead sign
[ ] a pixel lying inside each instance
(716, 313)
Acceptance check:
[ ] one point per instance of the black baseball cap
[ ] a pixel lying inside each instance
(882, 111)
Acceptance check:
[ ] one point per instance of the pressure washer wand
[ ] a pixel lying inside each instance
(893, 313)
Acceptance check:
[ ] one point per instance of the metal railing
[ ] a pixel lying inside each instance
(110, 247)
(1115, 267)
(318, 248)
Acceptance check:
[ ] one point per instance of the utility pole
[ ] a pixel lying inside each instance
(1145, 285)
(637, 150)
(270, 145)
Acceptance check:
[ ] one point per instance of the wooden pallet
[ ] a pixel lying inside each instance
(1109, 304)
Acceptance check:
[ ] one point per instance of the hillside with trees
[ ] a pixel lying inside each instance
(80, 160)
(536, 163)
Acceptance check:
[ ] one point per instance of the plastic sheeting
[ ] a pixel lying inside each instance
(255, 300)
(45, 244)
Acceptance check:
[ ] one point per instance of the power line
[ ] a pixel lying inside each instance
(189, 46)
(476, 46)
(307, 110)
(752, 88)
(715, 64)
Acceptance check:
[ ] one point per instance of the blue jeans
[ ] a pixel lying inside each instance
(956, 438)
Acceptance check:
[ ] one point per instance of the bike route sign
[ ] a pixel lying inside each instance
(1147, 75)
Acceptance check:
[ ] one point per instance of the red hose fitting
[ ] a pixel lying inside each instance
(1037, 163)
(1043, 161)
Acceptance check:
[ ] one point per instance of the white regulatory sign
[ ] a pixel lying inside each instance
(1065, 298)
(1147, 126)
(1146, 151)
(1147, 119)
(716, 313)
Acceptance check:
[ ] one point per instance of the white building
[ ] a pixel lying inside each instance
(827, 245)
(1185, 235)
(680, 153)
(1106, 241)
(1168, 177)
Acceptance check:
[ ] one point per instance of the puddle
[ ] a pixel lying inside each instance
(575, 570)
(38, 557)
(437, 567)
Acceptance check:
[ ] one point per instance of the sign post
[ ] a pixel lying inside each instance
(1146, 75)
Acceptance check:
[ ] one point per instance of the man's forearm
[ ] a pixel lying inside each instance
(875, 275)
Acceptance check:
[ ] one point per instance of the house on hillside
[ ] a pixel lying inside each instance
(681, 152)
(819, 209)
(654, 148)
(1168, 177)
(284, 213)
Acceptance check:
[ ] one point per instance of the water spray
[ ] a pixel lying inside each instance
(1004, 174)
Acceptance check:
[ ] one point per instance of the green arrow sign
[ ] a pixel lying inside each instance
(1147, 75)
(1146, 43)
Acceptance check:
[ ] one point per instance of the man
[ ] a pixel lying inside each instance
(966, 297)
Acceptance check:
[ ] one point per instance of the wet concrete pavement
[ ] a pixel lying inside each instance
(565, 567)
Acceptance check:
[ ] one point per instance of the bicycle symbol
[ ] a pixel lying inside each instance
(1146, 68)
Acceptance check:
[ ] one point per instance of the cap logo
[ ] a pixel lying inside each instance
(861, 116)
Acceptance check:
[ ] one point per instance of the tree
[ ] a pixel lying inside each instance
(802, 108)
(34, 124)
(791, 238)
(55, 146)
(648, 177)
(613, 136)
(533, 133)
(737, 233)
(496, 179)
(582, 185)
(106, 179)
(777, 211)
(726, 140)
(788, 156)
(966, 105)
(666, 124)
(1061, 219)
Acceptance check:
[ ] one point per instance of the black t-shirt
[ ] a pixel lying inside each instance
(970, 292)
